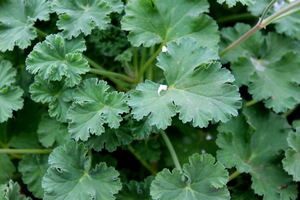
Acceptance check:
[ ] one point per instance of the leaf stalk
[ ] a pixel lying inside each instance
(26, 151)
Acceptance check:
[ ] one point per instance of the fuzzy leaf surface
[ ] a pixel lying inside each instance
(291, 162)
(82, 16)
(93, 108)
(192, 79)
(168, 21)
(33, 168)
(252, 145)
(10, 96)
(56, 93)
(7, 168)
(12, 192)
(70, 176)
(17, 18)
(231, 3)
(204, 179)
(57, 58)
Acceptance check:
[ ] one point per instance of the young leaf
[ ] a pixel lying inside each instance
(291, 162)
(202, 178)
(82, 16)
(17, 19)
(198, 89)
(116, 5)
(12, 192)
(231, 3)
(69, 176)
(94, 107)
(56, 58)
(33, 168)
(169, 20)
(7, 168)
(56, 93)
(253, 146)
(10, 96)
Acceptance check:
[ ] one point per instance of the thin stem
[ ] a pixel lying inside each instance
(135, 60)
(93, 63)
(287, 13)
(110, 74)
(250, 103)
(266, 11)
(25, 151)
(40, 32)
(286, 114)
(171, 150)
(139, 158)
(234, 18)
(147, 64)
(234, 175)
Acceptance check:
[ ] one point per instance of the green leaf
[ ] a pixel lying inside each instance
(56, 58)
(253, 147)
(142, 129)
(149, 150)
(136, 190)
(202, 178)
(291, 162)
(231, 3)
(82, 16)
(12, 192)
(52, 132)
(116, 5)
(10, 96)
(70, 177)
(56, 93)
(192, 79)
(7, 168)
(93, 108)
(169, 20)
(17, 19)
(33, 168)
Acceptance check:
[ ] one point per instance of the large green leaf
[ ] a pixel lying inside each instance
(11, 191)
(17, 19)
(231, 3)
(192, 79)
(93, 108)
(202, 178)
(169, 20)
(291, 162)
(252, 145)
(10, 96)
(7, 168)
(56, 93)
(70, 177)
(33, 168)
(57, 57)
(82, 16)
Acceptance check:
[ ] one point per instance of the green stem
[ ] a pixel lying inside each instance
(287, 13)
(110, 74)
(266, 11)
(25, 151)
(93, 63)
(135, 60)
(234, 18)
(147, 64)
(250, 103)
(40, 32)
(259, 26)
(234, 175)
(145, 164)
(286, 114)
(171, 150)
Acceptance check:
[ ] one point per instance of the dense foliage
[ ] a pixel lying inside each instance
(149, 99)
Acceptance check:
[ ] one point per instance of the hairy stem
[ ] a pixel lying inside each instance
(26, 151)
(144, 163)
(171, 150)
(266, 11)
(234, 175)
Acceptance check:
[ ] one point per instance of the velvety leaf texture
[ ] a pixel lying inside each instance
(7, 168)
(198, 89)
(231, 3)
(70, 176)
(82, 16)
(291, 162)
(33, 168)
(10, 96)
(17, 18)
(56, 93)
(11, 192)
(57, 58)
(169, 20)
(252, 145)
(202, 178)
(94, 107)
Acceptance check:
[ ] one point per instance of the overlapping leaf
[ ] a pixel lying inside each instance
(253, 147)
(17, 19)
(153, 22)
(56, 58)
(7, 168)
(198, 89)
(11, 191)
(33, 168)
(231, 3)
(10, 96)
(202, 178)
(291, 162)
(56, 93)
(82, 16)
(70, 177)
(93, 108)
